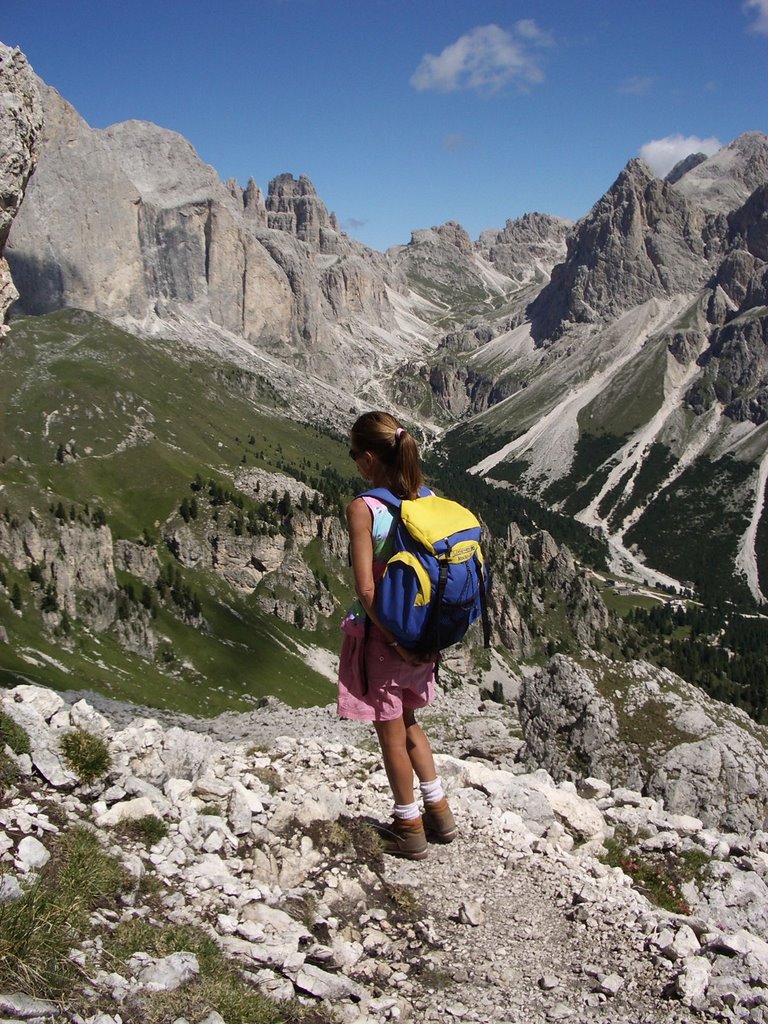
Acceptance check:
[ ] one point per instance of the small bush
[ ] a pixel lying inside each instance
(404, 899)
(86, 754)
(149, 829)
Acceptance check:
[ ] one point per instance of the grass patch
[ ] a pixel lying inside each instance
(219, 986)
(349, 838)
(38, 930)
(13, 735)
(405, 900)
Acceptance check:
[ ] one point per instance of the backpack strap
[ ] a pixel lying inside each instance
(482, 576)
(389, 497)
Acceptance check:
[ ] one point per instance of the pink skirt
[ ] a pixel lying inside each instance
(392, 685)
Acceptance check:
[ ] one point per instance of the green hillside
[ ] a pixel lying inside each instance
(98, 426)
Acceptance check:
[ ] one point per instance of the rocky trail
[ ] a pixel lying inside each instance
(266, 848)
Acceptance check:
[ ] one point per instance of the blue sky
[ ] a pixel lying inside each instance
(409, 113)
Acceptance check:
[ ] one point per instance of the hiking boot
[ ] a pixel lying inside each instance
(438, 821)
(404, 838)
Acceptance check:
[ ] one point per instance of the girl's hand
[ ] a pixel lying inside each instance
(414, 657)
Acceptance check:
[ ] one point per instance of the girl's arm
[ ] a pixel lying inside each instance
(359, 523)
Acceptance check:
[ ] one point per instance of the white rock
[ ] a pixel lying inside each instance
(169, 973)
(744, 943)
(610, 985)
(471, 912)
(19, 1005)
(685, 824)
(126, 810)
(691, 983)
(323, 985)
(177, 790)
(10, 889)
(239, 810)
(83, 716)
(686, 943)
(621, 795)
(593, 789)
(31, 854)
(46, 702)
(251, 931)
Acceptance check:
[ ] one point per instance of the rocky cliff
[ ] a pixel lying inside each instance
(645, 728)
(136, 228)
(20, 125)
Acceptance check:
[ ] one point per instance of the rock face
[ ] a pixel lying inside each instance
(136, 228)
(539, 577)
(725, 180)
(21, 120)
(641, 240)
(527, 247)
(647, 729)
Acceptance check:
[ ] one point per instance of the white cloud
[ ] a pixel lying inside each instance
(452, 143)
(663, 154)
(760, 8)
(637, 85)
(485, 60)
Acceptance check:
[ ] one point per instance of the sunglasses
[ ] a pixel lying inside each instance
(354, 455)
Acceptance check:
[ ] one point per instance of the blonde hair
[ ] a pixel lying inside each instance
(382, 435)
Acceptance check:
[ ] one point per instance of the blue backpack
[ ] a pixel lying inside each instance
(434, 584)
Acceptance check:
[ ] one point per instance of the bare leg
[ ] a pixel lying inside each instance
(419, 750)
(397, 763)
(405, 749)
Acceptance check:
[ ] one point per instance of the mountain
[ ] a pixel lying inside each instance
(130, 224)
(637, 377)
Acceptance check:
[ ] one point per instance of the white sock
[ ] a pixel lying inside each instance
(406, 812)
(433, 791)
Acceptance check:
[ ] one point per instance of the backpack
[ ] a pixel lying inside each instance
(434, 584)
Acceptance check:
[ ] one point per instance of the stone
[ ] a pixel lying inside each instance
(27, 1007)
(610, 984)
(126, 810)
(471, 912)
(10, 890)
(169, 973)
(323, 985)
(31, 855)
(692, 981)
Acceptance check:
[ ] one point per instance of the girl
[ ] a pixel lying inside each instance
(379, 680)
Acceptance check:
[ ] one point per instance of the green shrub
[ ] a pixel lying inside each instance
(149, 830)
(658, 875)
(86, 754)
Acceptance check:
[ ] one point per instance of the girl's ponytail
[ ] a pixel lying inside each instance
(381, 434)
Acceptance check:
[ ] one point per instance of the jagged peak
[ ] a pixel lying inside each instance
(683, 166)
(725, 180)
(286, 185)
